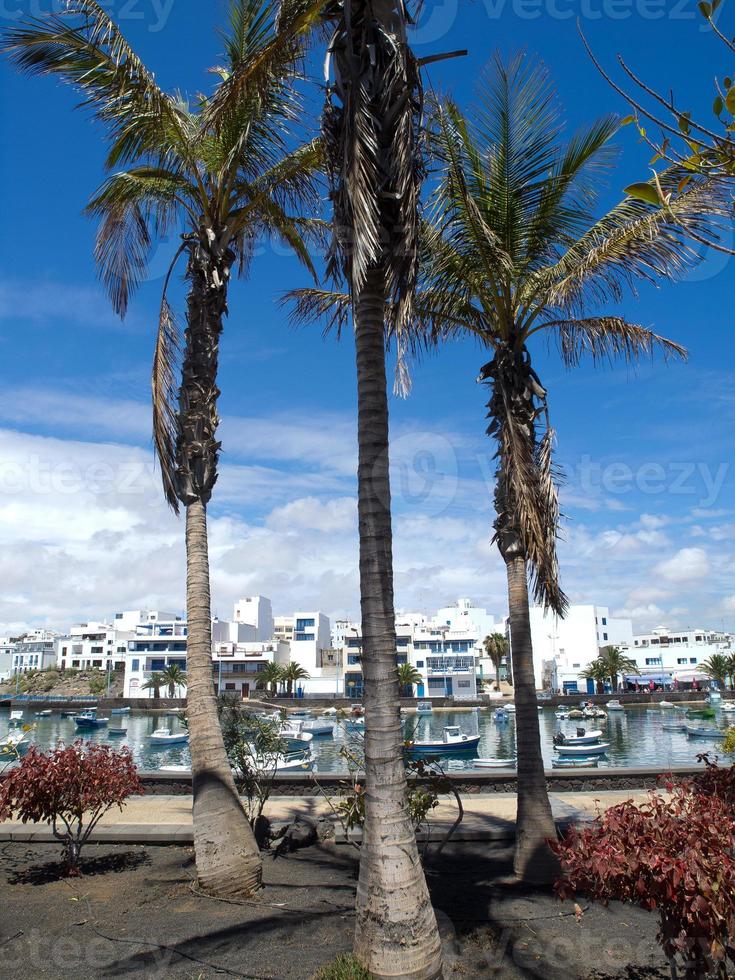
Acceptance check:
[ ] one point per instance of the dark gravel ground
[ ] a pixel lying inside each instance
(134, 912)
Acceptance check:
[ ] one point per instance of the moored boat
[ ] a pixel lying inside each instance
(424, 707)
(494, 763)
(666, 704)
(120, 711)
(453, 740)
(581, 750)
(704, 731)
(500, 715)
(89, 719)
(318, 727)
(16, 719)
(673, 726)
(581, 738)
(581, 763)
(164, 736)
(728, 707)
(46, 713)
(614, 705)
(117, 732)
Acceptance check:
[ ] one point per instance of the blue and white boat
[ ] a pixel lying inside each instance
(453, 742)
(89, 719)
(703, 731)
(424, 707)
(120, 711)
(14, 746)
(500, 716)
(583, 762)
(581, 738)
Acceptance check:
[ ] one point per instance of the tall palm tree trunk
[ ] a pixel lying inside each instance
(396, 933)
(533, 861)
(227, 857)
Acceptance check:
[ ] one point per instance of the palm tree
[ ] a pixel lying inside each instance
(496, 648)
(221, 168)
(731, 668)
(175, 677)
(615, 664)
(514, 254)
(371, 132)
(717, 667)
(154, 683)
(408, 675)
(293, 672)
(597, 672)
(270, 677)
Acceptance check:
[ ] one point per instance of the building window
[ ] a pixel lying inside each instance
(681, 660)
(604, 621)
(463, 683)
(96, 650)
(698, 639)
(576, 666)
(304, 624)
(692, 660)
(653, 661)
(304, 636)
(604, 635)
(420, 664)
(136, 664)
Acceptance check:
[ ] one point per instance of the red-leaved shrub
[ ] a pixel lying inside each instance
(71, 788)
(674, 855)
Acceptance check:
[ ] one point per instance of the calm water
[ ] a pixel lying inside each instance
(636, 736)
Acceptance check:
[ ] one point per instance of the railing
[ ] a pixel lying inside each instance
(49, 697)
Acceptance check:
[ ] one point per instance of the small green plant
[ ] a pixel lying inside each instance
(97, 684)
(728, 746)
(345, 967)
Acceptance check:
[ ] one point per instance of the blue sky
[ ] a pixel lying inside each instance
(650, 489)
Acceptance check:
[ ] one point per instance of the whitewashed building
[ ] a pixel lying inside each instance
(670, 656)
(237, 665)
(7, 652)
(563, 648)
(309, 637)
(444, 649)
(256, 611)
(35, 650)
(90, 646)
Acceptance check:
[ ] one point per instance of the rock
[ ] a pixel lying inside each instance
(297, 835)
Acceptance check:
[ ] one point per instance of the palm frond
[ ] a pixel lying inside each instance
(164, 391)
(84, 47)
(318, 305)
(608, 338)
(634, 241)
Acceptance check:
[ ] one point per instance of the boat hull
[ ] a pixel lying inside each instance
(494, 763)
(87, 723)
(704, 732)
(467, 745)
(582, 750)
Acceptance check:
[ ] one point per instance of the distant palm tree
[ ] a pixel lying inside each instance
(175, 677)
(731, 669)
(154, 683)
(496, 648)
(718, 667)
(270, 677)
(222, 168)
(293, 672)
(615, 664)
(597, 672)
(513, 255)
(408, 675)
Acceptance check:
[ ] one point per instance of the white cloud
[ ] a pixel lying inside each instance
(687, 565)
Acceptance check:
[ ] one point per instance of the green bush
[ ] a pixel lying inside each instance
(345, 967)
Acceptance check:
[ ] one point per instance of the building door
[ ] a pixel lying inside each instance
(420, 690)
(590, 686)
(245, 691)
(448, 687)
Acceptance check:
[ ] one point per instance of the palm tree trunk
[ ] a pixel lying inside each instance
(227, 856)
(396, 933)
(533, 860)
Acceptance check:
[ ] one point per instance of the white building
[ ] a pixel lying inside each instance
(563, 648)
(256, 611)
(159, 642)
(7, 652)
(309, 637)
(669, 656)
(237, 665)
(445, 650)
(35, 650)
(92, 646)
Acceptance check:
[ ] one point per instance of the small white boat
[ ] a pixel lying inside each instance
(694, 731)
(329, 712)
(164, 736)
(294, 731)
(673, 726)
(581, 738)
(16, 719)
(290, 762)
(510, 706)
(318, 727)
(424, 707)
(178, 767)
(120, 711)
(581, 750)
(593, 712)
(117, 732)
(453, 740)
(728, 707)
(355, 724)
(582, 763)
(494, 763)
(666, 704)
(43, 714)
(576, 714)
(614, 705)
(500, 715)
(562, 714)
(299, 713)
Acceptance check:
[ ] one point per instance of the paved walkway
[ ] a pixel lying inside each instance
(167, 819)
